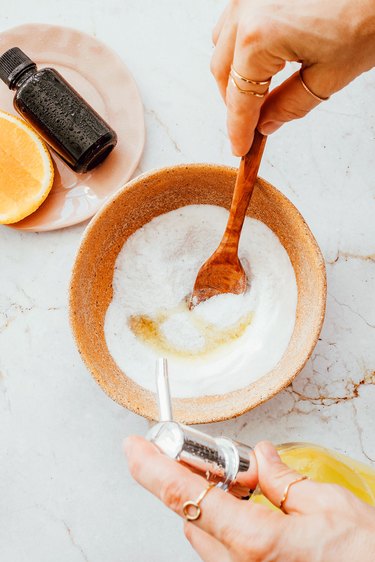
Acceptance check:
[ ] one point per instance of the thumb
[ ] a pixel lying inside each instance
(274, 478)
(291, 100)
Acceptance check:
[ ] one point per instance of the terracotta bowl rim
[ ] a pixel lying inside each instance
(284, 381)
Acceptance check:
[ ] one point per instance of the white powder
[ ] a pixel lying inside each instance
(226, 342)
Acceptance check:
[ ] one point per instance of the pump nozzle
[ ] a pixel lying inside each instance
(163, 390)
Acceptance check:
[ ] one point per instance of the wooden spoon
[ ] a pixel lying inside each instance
(223, 271)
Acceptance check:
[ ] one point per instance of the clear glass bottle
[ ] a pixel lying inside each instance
(327, 466)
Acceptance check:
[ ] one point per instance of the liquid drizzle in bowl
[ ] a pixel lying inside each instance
(208, 336)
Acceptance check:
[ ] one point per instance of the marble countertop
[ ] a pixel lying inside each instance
(65, 491)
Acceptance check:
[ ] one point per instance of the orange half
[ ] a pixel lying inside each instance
(26, 169)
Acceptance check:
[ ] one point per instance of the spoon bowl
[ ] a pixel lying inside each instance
(221, 273)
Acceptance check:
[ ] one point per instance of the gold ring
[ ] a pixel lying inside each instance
(319, 98)
(286, 491)
(186, 508)
(247, 92)
(239, 76)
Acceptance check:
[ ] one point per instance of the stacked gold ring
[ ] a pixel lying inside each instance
(234, 75)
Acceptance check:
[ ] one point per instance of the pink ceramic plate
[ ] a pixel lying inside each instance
(101, 77)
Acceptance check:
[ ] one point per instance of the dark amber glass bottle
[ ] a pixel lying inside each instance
(57, 112)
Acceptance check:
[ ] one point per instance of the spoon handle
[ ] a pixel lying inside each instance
(243, 190)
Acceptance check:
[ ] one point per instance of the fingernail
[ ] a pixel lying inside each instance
(269, 127)
(268, 451)
(236, 152)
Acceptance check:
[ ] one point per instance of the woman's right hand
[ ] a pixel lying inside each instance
(333, 39)
(323, 522)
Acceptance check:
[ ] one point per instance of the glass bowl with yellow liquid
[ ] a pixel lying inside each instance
(327, 466)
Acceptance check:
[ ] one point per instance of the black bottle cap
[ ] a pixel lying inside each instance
(12, 64)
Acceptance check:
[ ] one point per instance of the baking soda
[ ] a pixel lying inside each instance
(223, 344)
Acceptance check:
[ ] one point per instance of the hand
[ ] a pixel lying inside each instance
(334, 41)
(324, 522)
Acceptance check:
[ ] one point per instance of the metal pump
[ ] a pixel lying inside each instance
(219, 459)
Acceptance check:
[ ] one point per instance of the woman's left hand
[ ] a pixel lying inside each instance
(323, 522)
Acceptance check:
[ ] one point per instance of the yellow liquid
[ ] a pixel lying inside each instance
(324, 465)
(150, 331)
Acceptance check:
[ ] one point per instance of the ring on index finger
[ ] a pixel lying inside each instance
(234, 76)
(238, 76)
(192, 509)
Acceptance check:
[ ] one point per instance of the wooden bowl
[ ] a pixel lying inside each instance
(137, 203)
